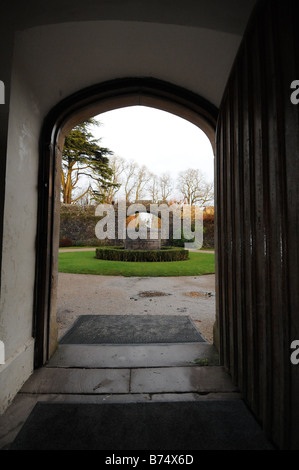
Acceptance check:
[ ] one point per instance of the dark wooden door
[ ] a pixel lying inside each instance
(257, 220)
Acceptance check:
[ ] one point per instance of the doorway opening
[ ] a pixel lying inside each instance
(157, 159)
(92, 102)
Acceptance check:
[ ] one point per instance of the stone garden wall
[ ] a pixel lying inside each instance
(77, 227)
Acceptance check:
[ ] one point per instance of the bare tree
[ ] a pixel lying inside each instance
(135, 180)
(129, 179)
(154, 188)
(117, 165)
(194, 187)
(166, 186)
(142, 178)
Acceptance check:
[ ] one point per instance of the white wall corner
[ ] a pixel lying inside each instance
(14, 373)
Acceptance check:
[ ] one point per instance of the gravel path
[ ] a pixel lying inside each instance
(85, 294)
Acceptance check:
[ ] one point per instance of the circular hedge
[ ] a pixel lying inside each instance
(116, 253)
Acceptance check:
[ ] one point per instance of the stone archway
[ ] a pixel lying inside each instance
(76, 108)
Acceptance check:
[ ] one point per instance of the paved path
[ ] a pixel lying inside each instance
(86, 294)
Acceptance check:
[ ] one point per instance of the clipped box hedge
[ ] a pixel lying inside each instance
(115, 253)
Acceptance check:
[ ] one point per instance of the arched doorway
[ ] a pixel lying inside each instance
(76, 108)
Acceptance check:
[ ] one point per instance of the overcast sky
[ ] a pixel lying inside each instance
(160, 140)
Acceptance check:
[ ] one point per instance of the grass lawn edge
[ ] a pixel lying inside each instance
(84, 262)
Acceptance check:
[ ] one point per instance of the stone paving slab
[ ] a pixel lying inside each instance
(47, 380)
(149, 380)
(68, 355)
(181, 379)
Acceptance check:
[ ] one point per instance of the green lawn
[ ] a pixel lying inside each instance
(84, 262)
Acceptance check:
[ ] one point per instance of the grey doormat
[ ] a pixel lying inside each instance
(197, 425)
(132, 329)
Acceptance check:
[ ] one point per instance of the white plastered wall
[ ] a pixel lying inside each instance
(18, 262)
(50, 63)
